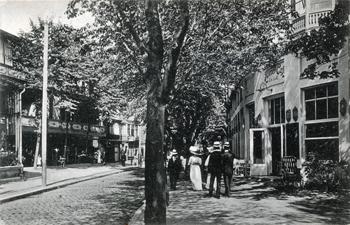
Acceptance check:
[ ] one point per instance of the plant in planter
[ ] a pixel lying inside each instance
(326, 175)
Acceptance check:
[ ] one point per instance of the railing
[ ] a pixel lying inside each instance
(314, 17)
(299, 24)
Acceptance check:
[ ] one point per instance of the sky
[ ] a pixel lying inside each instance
(16, 14)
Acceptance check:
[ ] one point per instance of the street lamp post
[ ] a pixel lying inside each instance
(44, 106)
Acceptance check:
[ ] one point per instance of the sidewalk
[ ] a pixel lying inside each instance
(253, 201)
(57, 177)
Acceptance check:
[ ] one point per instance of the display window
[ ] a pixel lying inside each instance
(276, 111)
(321, 125)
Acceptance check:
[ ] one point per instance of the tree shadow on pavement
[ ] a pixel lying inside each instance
(334, 209)
(255, 201)
(122, 199)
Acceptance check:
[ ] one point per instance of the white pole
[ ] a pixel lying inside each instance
(44, 108)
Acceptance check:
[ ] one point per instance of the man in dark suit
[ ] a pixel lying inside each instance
(215, 169)
(174, 169)
(227, 161)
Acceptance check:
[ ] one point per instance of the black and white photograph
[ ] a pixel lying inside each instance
(174, 112)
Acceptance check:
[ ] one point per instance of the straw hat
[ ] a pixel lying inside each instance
(174, 152)
(195, 150)
(216, 146)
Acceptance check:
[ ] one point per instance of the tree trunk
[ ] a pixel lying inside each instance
(155, 176)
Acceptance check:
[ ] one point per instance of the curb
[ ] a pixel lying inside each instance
(137, 218)
(56, 186)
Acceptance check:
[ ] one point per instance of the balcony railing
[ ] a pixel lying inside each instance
(314, 17)
(299, 24)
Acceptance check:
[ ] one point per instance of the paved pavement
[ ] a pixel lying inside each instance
(111, 199)
(253, 201)
(56, 177)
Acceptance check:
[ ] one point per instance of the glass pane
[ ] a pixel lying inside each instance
(333, 107)
(310, 110)
(330, 129)
(321, 91)
(292, 136)
(277, 110)
(333, 89)
(283, 113)
(258, 147)
(327, 149)
(272, 112)
(321, 109)
(309, 94)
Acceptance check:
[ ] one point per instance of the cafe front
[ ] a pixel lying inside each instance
(77, 142)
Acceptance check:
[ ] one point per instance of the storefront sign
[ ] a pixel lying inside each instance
(60, 127)
(295, 113)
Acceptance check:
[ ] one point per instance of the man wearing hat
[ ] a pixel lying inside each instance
(174, 169)
(215, 168)
(227, 161)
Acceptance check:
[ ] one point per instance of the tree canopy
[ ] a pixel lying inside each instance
(158, 47)
(77, 69)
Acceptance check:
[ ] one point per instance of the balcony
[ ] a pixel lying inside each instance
(314, 17)
(299, 24)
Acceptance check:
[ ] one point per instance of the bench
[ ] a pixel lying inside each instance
(289, 170)
(242, 168)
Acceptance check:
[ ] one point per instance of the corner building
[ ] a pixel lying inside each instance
(275, 113)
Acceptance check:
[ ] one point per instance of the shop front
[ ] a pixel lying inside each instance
(77, 143)
(11, 90)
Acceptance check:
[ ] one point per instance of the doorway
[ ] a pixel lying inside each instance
(258, 138)
(276, 148)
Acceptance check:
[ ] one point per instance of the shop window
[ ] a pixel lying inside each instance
(292, 136)
(322, 140)
(276, 110)
(129, 130)
(322, 102)
(318, 5)
(325, 149)
(132, 130)
(329, 129)
(136, 130)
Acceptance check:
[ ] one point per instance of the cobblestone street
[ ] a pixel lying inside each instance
(108, 200)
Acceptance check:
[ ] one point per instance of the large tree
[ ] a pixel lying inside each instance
(77, 70)
(157, 46)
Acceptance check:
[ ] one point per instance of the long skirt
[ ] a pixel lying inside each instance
(196, 177)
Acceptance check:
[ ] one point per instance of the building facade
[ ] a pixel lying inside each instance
(11, 90)
(128, 136)
(276, 113)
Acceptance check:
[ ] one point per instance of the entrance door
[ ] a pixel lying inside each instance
(276, 148)
(258, 139)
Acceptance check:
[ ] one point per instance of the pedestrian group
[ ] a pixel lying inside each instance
(218, 164)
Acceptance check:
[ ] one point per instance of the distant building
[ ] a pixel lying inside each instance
(275, 113)
(126, 135)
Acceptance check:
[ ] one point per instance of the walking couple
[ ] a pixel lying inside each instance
(218, 163)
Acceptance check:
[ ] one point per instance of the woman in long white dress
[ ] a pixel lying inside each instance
(195, 171)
